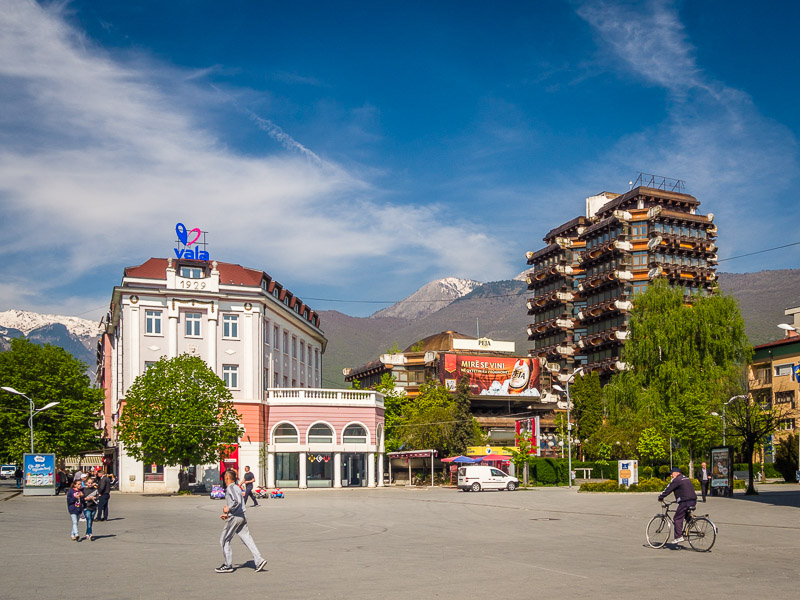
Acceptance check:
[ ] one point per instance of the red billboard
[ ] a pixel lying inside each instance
(491, 375)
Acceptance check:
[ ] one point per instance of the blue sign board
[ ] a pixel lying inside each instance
(188, 238)
(39, 474)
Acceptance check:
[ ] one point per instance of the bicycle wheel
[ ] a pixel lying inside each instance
(701, 534)
(658, 530)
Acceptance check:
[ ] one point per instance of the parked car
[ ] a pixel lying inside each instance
(474, 478)
(7, 471)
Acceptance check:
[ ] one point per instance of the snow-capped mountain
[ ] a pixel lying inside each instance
(27, 321)
(429, 298)
(77, 336)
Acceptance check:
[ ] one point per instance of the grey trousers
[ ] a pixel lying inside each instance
(237, 526)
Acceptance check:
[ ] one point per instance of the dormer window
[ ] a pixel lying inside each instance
(192, 272)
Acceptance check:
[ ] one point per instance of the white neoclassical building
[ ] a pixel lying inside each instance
(267, 346)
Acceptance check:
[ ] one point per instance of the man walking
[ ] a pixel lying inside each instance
(235, 523)
(249, 479)
(18, 476)
(104, 492)
(704, 476)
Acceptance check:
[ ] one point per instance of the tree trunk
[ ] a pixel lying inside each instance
(751, 488)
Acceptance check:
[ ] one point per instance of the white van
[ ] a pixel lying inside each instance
(483, 477)
(7, 471)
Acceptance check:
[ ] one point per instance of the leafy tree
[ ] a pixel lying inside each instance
(47, 374)
(786, 457)
(651, 445)
(684, 352)
(395, 404)
(418, 346)
(753, 418)
(435, 419)
(587, 398)
(178, 412)
(521, 454)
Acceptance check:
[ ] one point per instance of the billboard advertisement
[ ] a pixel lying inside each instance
(722, 470)
(491, 375)
(39, 474)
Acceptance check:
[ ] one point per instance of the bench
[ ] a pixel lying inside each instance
(744, 475)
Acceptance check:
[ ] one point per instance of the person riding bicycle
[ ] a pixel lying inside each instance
(685, 495)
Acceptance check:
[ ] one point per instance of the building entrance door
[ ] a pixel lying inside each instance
(354, 470)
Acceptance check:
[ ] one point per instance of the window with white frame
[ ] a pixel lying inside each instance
(781, 370)
(302, 351)
(230, 326)
(148, 364)
(286, 342)
(276, 337)
(354, 434)
(266, 332)
(320, 434)
(192, 272)
(786, 425)
(285, 433)
(192, 320)
(266, 378)
(294, 347)
(152, 322)
(230, 375)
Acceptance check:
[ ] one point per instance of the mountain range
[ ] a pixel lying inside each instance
(495, 310)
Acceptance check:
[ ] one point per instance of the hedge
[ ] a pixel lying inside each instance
(646, 485)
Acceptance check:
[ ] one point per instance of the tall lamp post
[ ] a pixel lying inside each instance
(741, 397)
(34, 411)
(788, 328)
(558, 388)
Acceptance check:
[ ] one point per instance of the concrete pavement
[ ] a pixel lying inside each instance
(399, 543)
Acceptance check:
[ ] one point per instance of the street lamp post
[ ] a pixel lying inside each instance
(34, 411)
(788, 328)
(569, 423)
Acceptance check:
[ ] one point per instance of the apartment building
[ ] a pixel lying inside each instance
(584, 280)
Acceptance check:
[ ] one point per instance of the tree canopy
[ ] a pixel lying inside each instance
(683, 352)
(47, 374)
(178, 412)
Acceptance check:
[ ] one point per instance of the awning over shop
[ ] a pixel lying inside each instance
(86, 460)
(409, 454)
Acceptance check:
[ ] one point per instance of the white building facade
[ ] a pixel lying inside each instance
(255, 335)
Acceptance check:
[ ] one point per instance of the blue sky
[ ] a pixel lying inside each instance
(358, 150)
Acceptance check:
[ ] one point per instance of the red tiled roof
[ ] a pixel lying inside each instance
(789, 340)
(229, 274)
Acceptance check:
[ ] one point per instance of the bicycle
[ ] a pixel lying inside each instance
(699, 531)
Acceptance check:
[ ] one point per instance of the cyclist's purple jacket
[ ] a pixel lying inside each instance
(683, 488)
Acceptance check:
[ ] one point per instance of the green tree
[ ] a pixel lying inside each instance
(521, 455)
(395, 349)
(395, 405)
(587, 398)
(435, 419)
(753, 418)
(47, 374)
(683, 353)
(651, 445)
(179, 413)
(786, 457)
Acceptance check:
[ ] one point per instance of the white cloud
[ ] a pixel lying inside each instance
(736, 161)
(98, 162)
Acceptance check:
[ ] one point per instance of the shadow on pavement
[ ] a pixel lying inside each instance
(775, 498)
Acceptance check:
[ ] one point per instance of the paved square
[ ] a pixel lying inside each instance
(401, 543)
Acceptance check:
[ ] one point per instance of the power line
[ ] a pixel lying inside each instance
(759, 251)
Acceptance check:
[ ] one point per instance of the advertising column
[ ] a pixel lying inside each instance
(722, 471)
(39, 477)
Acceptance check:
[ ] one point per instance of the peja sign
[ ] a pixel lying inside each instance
(186, 238)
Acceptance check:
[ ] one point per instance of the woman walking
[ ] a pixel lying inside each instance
(75, 506)
(90, 498)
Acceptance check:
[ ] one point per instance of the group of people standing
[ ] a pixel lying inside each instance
(87, 499)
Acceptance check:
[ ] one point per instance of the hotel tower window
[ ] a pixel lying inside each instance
(152, 322)
(193, 324)
(230, 375)
(230, 326)
(354, 434)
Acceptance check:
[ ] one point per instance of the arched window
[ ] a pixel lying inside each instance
(354, 434)
(320, 434)
(285, 433)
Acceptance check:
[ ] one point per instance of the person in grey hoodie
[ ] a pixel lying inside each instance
(235, 524)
